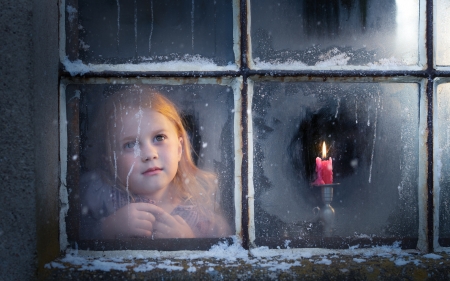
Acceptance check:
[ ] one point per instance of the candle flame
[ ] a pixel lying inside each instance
(324, 150)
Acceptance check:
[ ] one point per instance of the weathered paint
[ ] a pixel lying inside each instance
(251, 188)
(238, 143)
(436, 157)
(422, 244)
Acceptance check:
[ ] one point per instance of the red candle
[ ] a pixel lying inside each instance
(324, 169)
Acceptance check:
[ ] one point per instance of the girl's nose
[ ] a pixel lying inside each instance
(148, 152)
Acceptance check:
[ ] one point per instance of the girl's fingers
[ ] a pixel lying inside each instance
(158, 213)
(169, 220)
(160, 231)
(142, 233)
(164, 225)
(147, 216)
(145, 206)
(164, 231)
(173, 227)
(160, 227)
(148, 211)
(143, 225)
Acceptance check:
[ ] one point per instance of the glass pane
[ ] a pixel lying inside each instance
(442, 131)
(371, 135)
(442, 23)
(135, 160)
(119, 31)
(292, 34)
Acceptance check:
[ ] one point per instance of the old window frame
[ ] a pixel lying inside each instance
(427, 71)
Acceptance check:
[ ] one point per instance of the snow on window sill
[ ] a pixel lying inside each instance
(235, 258)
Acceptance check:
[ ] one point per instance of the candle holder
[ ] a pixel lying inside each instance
(326, 214)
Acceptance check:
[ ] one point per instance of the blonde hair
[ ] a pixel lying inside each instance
(191, 184)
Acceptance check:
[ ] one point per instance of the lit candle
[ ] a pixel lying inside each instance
(324, 168)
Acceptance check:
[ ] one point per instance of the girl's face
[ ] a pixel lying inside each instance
(147, 150)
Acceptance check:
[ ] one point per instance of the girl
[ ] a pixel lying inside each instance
(145, 183)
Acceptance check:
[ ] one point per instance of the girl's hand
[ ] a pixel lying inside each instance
(134, 219)
(168, 226)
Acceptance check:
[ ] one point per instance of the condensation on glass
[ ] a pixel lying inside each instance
(320, 33)
(442, 153)
(442, 29)
(372, 134)
(118, 31)
(207, 111)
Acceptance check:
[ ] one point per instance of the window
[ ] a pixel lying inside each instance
(262, 86)
(208, 110)
(375, 191)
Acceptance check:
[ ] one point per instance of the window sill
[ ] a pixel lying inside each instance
(382, 263)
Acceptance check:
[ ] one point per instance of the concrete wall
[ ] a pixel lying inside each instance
(17, 193)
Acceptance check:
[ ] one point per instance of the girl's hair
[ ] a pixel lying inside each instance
(191, 184)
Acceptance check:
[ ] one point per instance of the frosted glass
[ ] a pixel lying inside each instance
(371, 130)
(322, 33)
(442, 23)
(154, 31)
(442, 132)
(207, 111)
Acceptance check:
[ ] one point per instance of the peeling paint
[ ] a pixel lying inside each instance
(422, 244)
(251, 188)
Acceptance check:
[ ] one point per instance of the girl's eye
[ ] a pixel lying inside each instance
(160, 137)
(129, 145)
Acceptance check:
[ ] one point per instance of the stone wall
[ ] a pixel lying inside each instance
(17, 159)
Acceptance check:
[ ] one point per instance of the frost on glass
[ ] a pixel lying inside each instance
(118, 31)
(207, 113)
(371, 130)
(322, 33)
(442, 29)
(442, 173)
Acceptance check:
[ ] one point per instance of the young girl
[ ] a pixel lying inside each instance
(144, 182)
